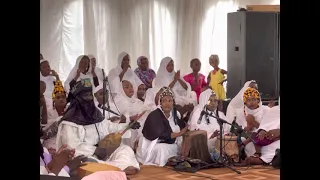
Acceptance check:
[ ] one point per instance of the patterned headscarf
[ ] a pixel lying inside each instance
(248, 93)
(58, 88)
(166, 91)
(147, 75)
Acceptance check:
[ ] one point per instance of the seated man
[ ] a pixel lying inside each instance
(82, 127)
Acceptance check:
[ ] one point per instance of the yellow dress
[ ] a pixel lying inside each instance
(216, 87)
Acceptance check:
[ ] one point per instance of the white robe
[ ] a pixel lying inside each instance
(150, 98)
(130, 107)
(210, 128)
(53, 117)
(270, 121)
(236, 102)
(84, 138)
(164, 78)
(114, 79)
(154, 153)
(97, 69)
(49, 81)
(258, 114)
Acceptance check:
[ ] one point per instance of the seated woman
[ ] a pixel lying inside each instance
(48, 76)
(83, 126)
(141, 92)
(267, 140)
(94, 68)
(59, 99)
(208, 102)
(123, 70)
(131, 107)
(237, 101)
(143, 71)
(162, 133)
(80, 71)
(253, 112)
(59, 163)
(167, 77)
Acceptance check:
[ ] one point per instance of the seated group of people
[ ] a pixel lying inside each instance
(158, 109)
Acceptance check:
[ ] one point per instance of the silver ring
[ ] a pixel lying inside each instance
(271, 134)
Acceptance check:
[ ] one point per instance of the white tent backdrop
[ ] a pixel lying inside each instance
(182, 29)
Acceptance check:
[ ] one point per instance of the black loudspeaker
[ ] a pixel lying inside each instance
(254, 52)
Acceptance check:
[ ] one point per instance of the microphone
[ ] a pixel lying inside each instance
(105, 78)
(200, 117)
(107, 109)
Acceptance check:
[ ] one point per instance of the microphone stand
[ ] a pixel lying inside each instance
(104, 93)
(221, 160)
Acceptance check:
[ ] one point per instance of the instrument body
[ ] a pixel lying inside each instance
(195, 145)
(229, 146)
(91, 167)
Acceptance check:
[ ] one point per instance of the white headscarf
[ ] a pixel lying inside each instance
(203, 100)
(73, 74)
(149, 101)
(204, 97)
(164, 78)
(115, 72)
(237, 101)
(129, 105)
(271, 119)
(97, 69)
(194, 117)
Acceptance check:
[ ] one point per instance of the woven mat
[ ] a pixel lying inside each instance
(252, 173)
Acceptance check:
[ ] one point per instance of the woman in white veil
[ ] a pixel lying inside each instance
(237, 101)
(207, 102)
(256, 111)
(131, 107)
(182, 90)
(97, 69)
(123, 70)
(270, 129)
(81, 70)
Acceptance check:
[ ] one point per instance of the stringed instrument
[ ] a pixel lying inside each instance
(113, 140)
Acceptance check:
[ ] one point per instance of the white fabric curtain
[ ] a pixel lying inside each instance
(182, 29)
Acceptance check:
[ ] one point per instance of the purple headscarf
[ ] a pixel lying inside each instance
(147, 75)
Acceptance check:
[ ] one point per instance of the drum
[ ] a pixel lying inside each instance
(195, 145)
(91, 167)
(230, 147)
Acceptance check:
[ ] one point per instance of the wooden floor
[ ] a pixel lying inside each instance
(252, 173)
